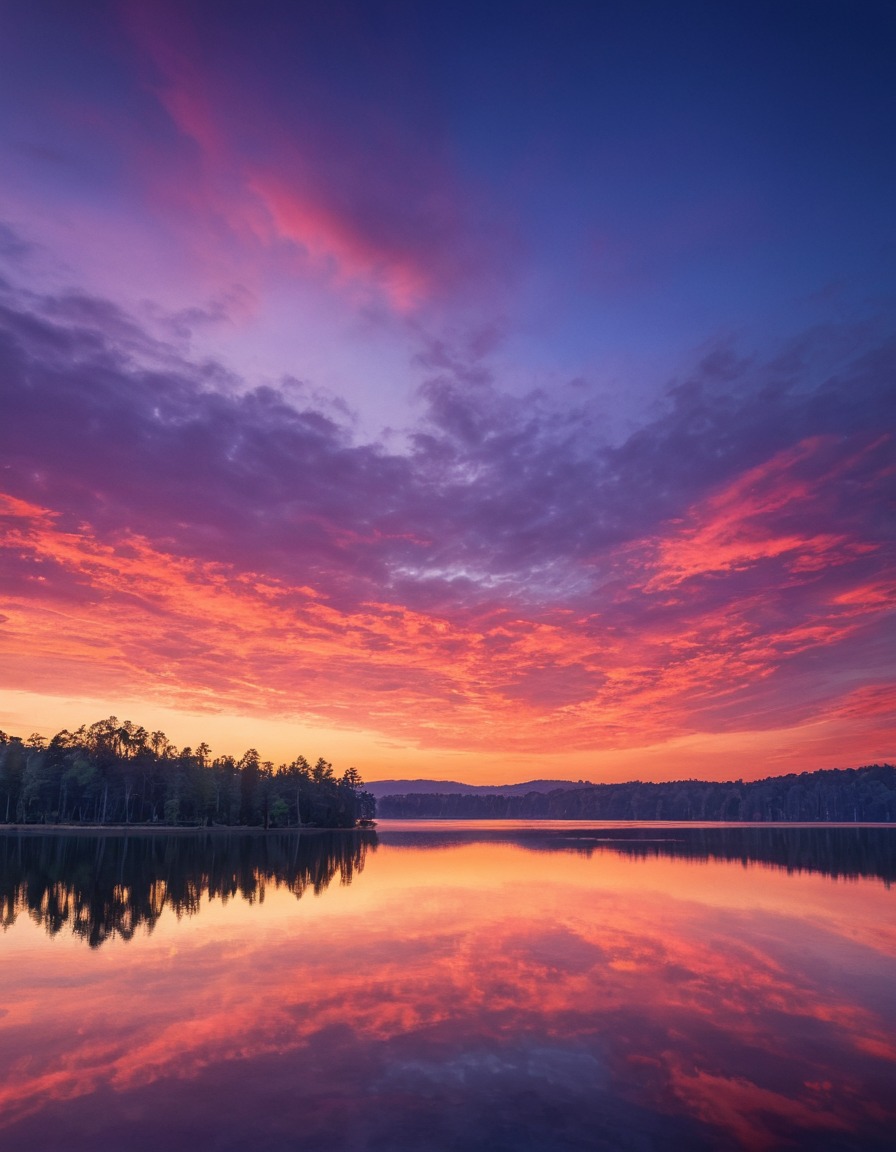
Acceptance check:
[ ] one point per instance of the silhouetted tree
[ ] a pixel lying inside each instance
(852, 794)
(116, 772)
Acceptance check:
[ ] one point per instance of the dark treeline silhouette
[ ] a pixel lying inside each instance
(834, 795)
(116, 883)
(841, 852)
(115, 772)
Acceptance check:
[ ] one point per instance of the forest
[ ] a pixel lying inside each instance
(116, 772)
(840, 794)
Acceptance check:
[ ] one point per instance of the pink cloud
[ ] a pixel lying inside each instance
(499, 585)
(751, 520)
(280, 186)
(333, 241)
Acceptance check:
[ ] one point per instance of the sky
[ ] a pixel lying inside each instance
(470, 391)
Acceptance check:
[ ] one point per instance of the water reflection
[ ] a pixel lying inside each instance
(844, 851)
(113, 885)
(474, 994)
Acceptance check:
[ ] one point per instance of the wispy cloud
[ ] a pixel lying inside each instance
(509, 577)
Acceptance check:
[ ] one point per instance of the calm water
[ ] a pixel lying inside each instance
(447, 987)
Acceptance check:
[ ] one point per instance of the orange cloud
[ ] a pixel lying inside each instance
(125, 617)
(734, 529)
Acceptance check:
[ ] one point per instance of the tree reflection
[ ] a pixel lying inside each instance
(842, 852)
(114, 885)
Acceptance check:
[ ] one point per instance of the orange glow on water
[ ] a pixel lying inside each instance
(704, 980)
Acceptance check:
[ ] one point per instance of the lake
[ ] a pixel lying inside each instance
(449, 986)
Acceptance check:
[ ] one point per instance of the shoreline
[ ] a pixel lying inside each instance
(388, 824)
(166, 829)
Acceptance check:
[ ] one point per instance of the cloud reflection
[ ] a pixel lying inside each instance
(487, 992)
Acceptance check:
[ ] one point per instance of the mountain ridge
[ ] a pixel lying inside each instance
(380, 788)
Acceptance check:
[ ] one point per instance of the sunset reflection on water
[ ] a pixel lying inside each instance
(469, 992)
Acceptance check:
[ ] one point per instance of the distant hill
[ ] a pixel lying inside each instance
(832, 795)
(453, 787)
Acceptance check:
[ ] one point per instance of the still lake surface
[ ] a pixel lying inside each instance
(449, 986)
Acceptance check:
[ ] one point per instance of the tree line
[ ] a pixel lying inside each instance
(116, 772)
(839, 795)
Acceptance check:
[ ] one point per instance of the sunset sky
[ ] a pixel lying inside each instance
(481, 391)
